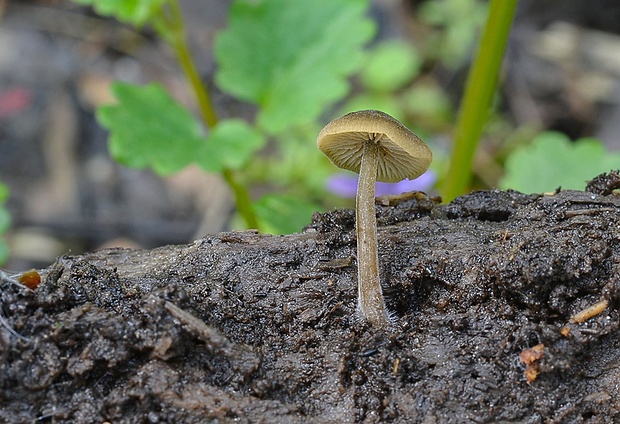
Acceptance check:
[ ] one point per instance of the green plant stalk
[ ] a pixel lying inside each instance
(178, 42)
(242, 199)
(479, 91)
(173, 31)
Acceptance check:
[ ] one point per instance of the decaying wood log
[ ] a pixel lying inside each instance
(243, 327)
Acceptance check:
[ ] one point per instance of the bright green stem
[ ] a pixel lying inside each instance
(173, 31)
(479, 91)
(370, 301)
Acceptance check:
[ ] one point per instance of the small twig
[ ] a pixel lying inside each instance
(578, 212)
(196, 326)
(590, 331)
(590, 312)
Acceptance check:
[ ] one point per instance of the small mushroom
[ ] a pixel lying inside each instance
(378, 148)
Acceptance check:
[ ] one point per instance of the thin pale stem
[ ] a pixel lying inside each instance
(370, 296)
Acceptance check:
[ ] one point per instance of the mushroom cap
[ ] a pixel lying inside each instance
(402, 154)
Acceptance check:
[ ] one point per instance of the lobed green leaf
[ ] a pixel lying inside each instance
(291, 58)
(551, 160)
(148, 128)
(230, 145)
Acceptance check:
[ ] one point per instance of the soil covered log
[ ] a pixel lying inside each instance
(489, 294)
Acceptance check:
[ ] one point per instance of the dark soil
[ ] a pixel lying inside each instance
(248, 328)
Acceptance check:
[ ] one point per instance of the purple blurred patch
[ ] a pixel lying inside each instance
(345, 185)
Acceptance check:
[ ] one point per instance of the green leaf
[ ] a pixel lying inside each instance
(390, 65)
(230, 145)
(292, 58)
(136, 12)
(283, 214)
(148, 128)
(552, 161)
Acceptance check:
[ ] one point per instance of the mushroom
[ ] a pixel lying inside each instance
(378, 148)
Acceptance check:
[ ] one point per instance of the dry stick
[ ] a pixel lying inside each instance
(212, 338)
(590, 312)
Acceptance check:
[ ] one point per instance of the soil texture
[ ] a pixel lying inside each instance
(487, 293)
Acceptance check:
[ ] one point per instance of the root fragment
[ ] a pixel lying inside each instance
(590, 312)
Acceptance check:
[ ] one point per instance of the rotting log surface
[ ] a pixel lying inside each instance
(241, 327)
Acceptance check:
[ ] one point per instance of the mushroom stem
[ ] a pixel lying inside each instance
(370, 296)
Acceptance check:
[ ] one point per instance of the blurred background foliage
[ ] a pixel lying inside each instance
(220, 103)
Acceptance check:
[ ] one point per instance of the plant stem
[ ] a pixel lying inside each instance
(479, 92)
(177, 39)
(179, 45)
(370, 301)
(242, 199)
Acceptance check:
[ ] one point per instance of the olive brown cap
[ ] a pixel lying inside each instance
(402, 154)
